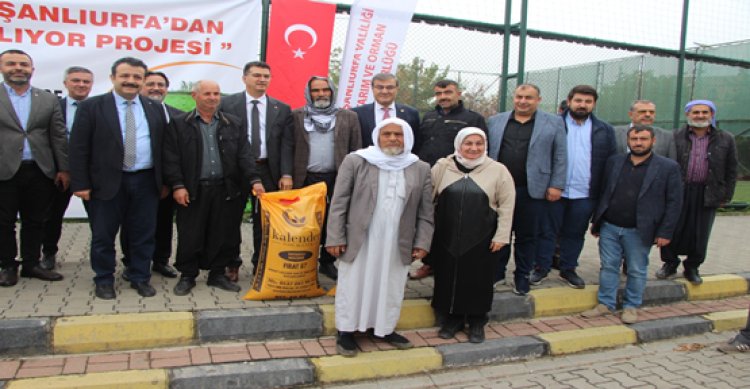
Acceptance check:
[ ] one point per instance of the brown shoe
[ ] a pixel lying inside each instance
(629, 315)
(599, 310)
(8, 277)
(233, 273)
(422, 272)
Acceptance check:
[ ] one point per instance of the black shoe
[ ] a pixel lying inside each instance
(396, 340)
(105, 291)
(42, 274)
(165, 270)
(345, 344)
(48, 262)
(222, 282)
(667, 270)
(330, 270)
(8, 277)
(449, 329)
(521, 285)
(184, 285)
(143, 288)
(537, 276)
(574, 281)
(691, 274)
(476, 333)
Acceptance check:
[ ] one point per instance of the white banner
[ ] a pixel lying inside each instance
(187, 39)
(377, 30)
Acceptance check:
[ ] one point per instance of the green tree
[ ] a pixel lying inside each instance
(416, 82)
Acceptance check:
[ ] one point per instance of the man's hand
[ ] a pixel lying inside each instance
(84, 195)
(661, 242)
(285, 183)
(258, 188)
(62, 179)
(496, 246)
(595, 234)
(336, 251)
(181, 196)
(553, 194)
(164, 192)
(417, 253)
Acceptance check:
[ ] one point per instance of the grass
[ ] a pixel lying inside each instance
(180, 100)
(742, 192)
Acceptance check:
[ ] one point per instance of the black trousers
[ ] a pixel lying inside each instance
(203, 229)
(54, 220)
(330, 180)
(693, 230)
(163, 236)
(270, 186)
(29, 192)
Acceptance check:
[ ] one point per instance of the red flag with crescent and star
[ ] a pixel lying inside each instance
(299, 46)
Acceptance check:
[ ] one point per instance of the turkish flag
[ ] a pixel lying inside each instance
(299, 46)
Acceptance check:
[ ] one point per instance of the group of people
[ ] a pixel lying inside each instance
(451, 190)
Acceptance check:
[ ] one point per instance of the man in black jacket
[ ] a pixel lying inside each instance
(708, 161)
(207, 162)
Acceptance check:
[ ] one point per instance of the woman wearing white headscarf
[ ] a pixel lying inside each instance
(380, 221)
(474, 200)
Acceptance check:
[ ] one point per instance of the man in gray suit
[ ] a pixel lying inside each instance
(643, 112)
(532, 145)
(33, 159)
(271, 120)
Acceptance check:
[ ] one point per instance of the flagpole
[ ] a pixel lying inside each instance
(264, 29)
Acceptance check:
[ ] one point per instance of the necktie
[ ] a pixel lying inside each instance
(386, 113)
(129, 161)
(255, 130)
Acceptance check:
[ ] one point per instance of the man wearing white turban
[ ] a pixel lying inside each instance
(381, 219)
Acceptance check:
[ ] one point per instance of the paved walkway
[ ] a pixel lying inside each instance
(728, 253)
(660, 365)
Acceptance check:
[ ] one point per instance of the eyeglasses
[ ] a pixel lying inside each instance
(386, 87)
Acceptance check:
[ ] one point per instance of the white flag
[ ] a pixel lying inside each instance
(377, 30)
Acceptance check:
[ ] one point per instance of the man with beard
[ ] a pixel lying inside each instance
(78, 82)
(323, 136)
(155, 87)
(639, 206)
(33, 159)
(590, 142)
(531, 144)
(381, 219)
(708, 161)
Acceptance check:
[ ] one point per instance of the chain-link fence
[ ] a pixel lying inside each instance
(626, 53)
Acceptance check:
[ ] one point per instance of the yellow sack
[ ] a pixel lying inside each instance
(288, 259)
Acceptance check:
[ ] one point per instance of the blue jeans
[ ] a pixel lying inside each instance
(616, 243)
(568, 220)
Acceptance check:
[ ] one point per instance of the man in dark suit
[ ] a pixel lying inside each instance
(273, 150)
(33, 159)
(78, 82)
(532, 145)
(643, 112)
(640, 203)
(207, 160)
(384, 90)
(155, 87)
(115, 163)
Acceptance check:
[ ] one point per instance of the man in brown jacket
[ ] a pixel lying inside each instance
(323, 136)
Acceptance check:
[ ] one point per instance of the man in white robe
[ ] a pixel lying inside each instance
(381, 219)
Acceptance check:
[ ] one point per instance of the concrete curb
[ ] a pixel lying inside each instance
(507, 349)
(259, 324)
(272, 373)
(156, 378)
(674, 327)
(76, 333)
(25, 336)
(573, 341)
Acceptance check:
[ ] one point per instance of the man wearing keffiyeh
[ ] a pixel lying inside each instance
(323, 136)
(708, 160)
